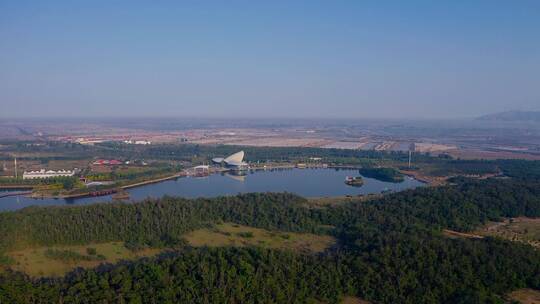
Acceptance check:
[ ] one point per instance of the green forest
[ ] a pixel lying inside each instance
(383, 174)
(390, 250)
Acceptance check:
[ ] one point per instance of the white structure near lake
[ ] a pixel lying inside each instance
(235, 161)
(47, 173)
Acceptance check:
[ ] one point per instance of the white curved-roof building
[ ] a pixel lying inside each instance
(234, 160)
(218, 160)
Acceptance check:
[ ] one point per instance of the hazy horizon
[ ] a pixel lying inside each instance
(241, 117)
(307, 59)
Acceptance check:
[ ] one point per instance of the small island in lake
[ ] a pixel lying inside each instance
(354, 181)
(383, 174)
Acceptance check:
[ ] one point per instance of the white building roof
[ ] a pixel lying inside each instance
(236, 159)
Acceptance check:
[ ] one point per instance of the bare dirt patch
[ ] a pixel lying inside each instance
(520, 229)
(456, 234)
(525, 296)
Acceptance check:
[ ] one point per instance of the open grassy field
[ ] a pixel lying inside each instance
(66, 164)
(229, 234)
(525, 296)
(521, 229)
(37, 263)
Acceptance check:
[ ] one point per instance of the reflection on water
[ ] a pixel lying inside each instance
(238, 176)
(305, 182)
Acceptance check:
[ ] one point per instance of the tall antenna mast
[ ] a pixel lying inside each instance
(411, 149)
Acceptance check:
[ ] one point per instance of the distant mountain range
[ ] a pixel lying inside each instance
(513, 116)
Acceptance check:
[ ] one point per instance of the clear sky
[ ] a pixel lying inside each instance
(353, 59)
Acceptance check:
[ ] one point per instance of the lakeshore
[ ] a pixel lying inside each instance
(314, 182)
(183, 173)
(191, 172)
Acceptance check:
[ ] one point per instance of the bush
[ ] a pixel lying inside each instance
(245, 234)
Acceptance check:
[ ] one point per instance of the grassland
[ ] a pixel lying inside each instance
(521, 229)
(37, 263)
(229, 234)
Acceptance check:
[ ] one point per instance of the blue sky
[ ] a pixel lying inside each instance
(353, 59)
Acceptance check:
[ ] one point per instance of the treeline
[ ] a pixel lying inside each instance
(60, 151)
(395, 268)
(462, 207)
(150, 222)
(383, 174)
(67, 182)
(193, 276)
(440, 164)
(449, 167)
(522, 169)
(186, 152)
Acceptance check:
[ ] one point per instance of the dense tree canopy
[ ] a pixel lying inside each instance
(390, 249)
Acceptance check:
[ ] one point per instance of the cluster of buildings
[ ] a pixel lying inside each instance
(107, 162)
(47, 173)
(98, 140)
(115, 162)
(234, 162)
(137, 142)
(89, 141)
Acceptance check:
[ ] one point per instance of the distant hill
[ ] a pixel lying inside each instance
(513, 116)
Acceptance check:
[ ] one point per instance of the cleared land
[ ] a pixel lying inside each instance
(525, 296)
(37, 263)
(229, 234)
(456, 234)
(521, 229)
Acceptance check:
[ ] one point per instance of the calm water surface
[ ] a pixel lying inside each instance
(305, 182)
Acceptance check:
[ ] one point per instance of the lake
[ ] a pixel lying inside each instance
(304, 182)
